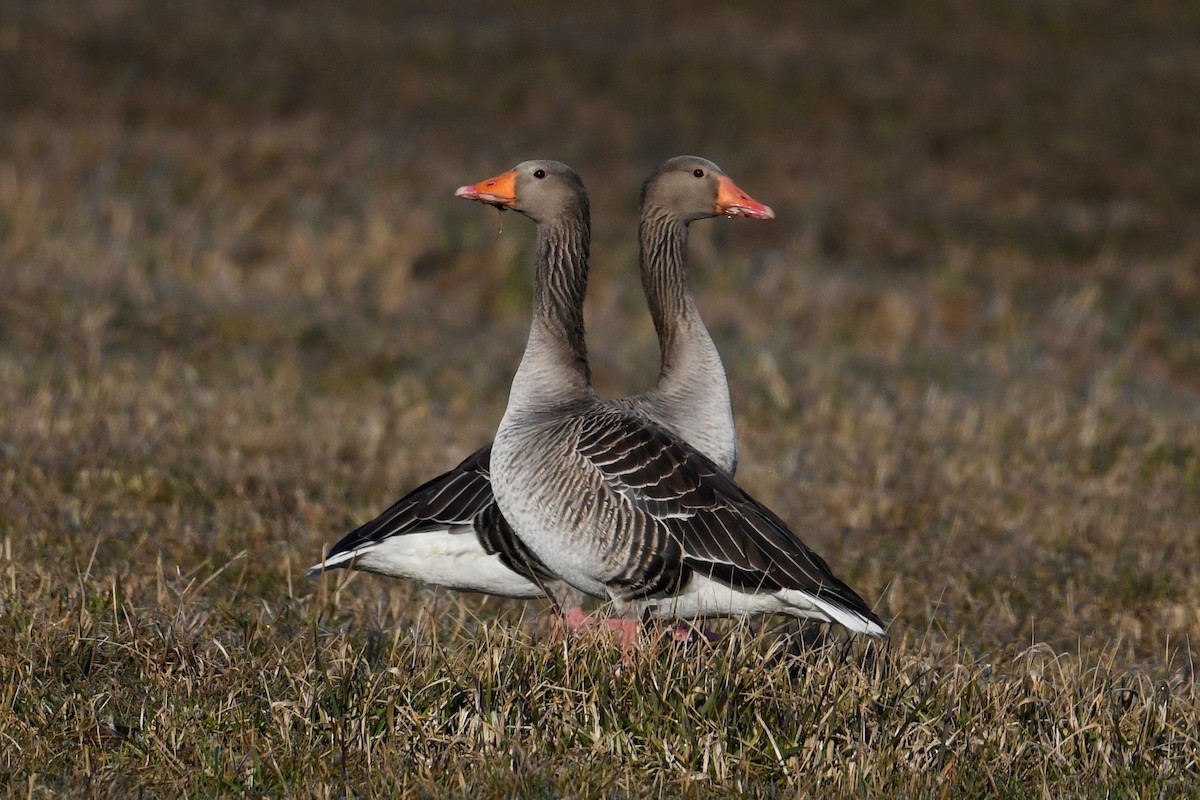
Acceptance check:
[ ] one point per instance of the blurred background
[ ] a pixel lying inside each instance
(243, 311)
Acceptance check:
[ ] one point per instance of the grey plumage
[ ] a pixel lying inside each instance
(690, 398)
(620, 508)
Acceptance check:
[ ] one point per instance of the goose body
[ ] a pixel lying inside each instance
(449, 531)
(622, 510)
(617, 506)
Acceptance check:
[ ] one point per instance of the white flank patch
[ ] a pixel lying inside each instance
(704, 597)
(453, 560)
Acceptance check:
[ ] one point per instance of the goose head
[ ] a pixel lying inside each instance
(542, 190)
(696, 188)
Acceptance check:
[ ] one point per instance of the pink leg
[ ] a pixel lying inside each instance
(577, 620)
(686, 632)
(627, 631)
(572, 620)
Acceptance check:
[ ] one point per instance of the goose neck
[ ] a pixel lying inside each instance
(555, 364)
(664, 241)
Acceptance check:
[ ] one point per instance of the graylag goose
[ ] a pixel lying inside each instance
(616, 506)
(448, 531)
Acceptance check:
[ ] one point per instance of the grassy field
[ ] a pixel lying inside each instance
(242, 312)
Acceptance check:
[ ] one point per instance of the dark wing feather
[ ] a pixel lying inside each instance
(715, 528)
(453, 498)
(459, 498)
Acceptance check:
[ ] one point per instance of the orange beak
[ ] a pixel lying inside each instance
(733, 202)
(499, 191)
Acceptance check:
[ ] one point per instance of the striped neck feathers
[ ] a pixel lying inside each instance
(560, 283)
(663, 243)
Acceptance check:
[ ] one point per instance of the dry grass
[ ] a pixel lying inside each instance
(242, 312)
(211, 692)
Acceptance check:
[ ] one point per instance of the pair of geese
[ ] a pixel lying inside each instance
(629, 500)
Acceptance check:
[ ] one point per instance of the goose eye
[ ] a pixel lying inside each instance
(699, 173)
(539, 173)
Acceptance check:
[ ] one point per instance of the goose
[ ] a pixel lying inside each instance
(448, 531)
(617, 506)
